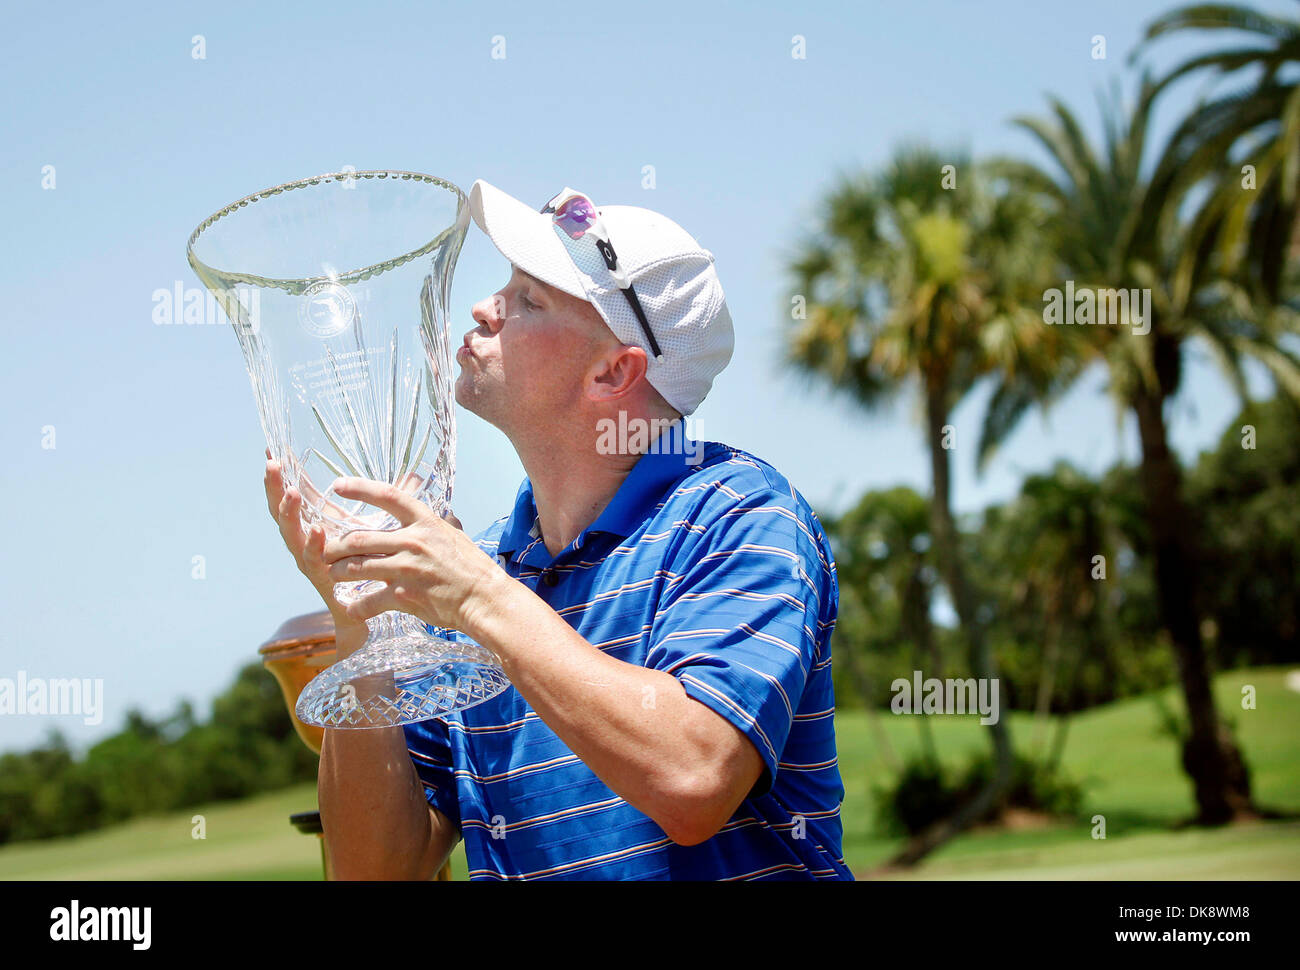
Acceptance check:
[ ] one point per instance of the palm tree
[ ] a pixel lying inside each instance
(1260, 124)
(1120, 229)
(929, 276)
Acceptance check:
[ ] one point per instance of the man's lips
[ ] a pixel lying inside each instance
(465, 349)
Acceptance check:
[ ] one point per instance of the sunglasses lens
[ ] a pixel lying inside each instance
(575, 216)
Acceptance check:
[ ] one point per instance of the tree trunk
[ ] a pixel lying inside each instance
(1053, 762)
(1057, 749)
(1210, 756)
(917, 628)
(1046, 677)
(981, 658)
(1092, 644)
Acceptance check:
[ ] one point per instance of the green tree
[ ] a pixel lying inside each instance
(1248, 492)
(156, 766)
(1055, 548)
(1119, 229)
(883, 553)
(1248, 136)
(927, 276)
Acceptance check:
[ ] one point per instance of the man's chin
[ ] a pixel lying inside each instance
(463, 397)
(470, 396)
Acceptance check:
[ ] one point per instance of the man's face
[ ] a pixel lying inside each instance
(527, 361)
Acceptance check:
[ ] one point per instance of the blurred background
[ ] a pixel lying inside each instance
(1106, 517)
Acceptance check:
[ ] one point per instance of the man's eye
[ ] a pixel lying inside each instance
(528, 304)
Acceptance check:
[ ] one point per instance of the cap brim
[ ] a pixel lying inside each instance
(525, 237)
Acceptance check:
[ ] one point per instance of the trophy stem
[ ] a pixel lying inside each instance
(391, 626)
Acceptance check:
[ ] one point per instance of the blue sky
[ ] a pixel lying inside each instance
(158, 453)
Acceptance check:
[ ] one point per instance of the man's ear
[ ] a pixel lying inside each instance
(616, 374)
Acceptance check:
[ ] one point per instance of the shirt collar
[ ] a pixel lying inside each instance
(631, 505)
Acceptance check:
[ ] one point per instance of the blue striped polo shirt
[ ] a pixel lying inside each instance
(708, 565)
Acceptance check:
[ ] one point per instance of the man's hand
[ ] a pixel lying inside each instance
(285, 507)
(431, 568)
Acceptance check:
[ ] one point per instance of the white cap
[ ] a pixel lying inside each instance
(672, 274)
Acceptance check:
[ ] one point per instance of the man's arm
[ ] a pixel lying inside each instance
(662, 751)
(669, 755)
(377, 822)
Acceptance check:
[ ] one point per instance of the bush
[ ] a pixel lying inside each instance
(924, 793)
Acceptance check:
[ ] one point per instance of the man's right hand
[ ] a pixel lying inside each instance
(285, 506)
(363, 775)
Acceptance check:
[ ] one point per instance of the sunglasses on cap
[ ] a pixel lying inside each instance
(580, 228)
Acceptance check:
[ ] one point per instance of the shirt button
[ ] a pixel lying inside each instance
(549, 577)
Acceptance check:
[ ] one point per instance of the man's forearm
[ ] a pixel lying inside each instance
(375, 817)
(636, 728)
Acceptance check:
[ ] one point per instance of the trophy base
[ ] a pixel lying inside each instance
(400, 680)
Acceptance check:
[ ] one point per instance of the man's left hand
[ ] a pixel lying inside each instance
(432, 569)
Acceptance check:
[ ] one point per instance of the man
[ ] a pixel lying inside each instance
(662, 607)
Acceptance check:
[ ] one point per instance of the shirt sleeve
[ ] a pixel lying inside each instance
(738, 624)
(430, 749)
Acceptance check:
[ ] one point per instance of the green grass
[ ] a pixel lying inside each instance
(1137, 786)
(1267, 850)
(1136, 783)
(248, 839)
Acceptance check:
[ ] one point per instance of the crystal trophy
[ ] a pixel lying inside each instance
(337, 287)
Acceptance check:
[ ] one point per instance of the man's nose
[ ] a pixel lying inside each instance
(488, 312)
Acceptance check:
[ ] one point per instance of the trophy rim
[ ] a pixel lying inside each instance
(300, 284)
